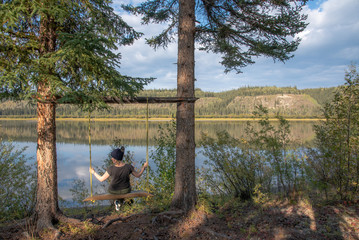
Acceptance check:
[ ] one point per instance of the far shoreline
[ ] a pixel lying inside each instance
(154, 119)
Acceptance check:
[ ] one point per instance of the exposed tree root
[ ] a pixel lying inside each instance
(48, 227)
(31, 232)
(32, 227)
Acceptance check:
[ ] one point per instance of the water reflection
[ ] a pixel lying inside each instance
(73, 150)
(132, 132)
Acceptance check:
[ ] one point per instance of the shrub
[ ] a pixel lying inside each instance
(79, 192)
(18, 183)
(232, 166)
(264, 159)
(276, 149)
(164, 158)
(334, 162)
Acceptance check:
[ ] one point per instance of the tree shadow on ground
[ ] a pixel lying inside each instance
(236, 220)
(280, 220)
(337, 221)
(233, 220)
(275, 220)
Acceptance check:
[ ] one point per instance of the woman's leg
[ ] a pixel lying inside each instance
(119, 192)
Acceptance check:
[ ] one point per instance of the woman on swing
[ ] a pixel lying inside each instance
(120, 175)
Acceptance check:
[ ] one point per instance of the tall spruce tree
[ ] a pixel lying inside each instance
(239, 30)
(55, 51)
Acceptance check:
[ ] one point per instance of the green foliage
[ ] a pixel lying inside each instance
(238, 167)
(67, 48)
(334, 161)
(321, 95)
(79, 192)
(238, 30)
(272, 144)
(77, 207)
(17, 185)
(258, 196)
(164, 158)
(232, 166)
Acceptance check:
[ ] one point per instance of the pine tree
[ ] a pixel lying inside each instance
(60, 51)
(238, 30)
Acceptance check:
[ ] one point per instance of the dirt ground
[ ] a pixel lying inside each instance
(272, 220)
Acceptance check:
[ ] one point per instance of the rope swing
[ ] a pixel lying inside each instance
(148, 172)
(132, 194)
(89, 117)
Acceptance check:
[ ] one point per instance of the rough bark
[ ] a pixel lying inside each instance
(185, 187)
(46, 208)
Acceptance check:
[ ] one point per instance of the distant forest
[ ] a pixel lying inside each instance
(290, 102)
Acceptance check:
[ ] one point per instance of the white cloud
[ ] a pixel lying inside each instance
(333, 24)
(329, 45)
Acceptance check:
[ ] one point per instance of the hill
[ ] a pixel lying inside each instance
(288, 101)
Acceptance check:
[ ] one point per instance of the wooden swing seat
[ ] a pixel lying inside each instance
(132, 194)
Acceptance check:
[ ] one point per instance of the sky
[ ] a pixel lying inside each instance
(329, 44)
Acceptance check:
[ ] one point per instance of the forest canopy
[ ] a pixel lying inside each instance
(291, 102)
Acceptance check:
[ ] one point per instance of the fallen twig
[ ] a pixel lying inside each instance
(119, 219)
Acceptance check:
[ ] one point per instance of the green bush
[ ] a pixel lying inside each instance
(17, 185)
(164, 158)
(79, 192)
(232, 166)
(264, 158)
(334, 163)
(274, 146)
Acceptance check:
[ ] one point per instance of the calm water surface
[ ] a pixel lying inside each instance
(73, 150)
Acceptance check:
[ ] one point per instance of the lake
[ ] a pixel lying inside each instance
(73, 149)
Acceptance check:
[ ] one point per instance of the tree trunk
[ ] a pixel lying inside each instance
(185, 185)
(46, 208)
(47, 197)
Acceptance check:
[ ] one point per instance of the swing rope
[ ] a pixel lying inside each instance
(90, 149)
(147, 180)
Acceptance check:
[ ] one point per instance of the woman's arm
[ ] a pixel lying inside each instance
(100, 178)
(139, 174)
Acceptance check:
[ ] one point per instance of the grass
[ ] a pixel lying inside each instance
(85, 229)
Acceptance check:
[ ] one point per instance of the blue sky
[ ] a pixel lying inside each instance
(329, 45)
